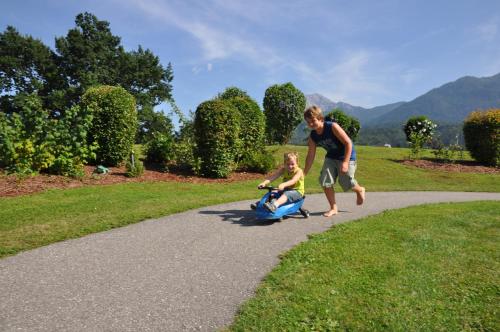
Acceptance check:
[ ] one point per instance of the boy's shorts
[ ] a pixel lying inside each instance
(332, 170)
(292, 196)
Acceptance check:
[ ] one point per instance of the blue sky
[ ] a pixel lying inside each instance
(366, 53)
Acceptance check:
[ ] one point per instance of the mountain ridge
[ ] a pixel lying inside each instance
(447, 105)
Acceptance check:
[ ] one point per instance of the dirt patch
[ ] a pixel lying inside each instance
(11, 185)
(459, 166)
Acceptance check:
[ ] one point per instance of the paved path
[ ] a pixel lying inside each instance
(185, 272)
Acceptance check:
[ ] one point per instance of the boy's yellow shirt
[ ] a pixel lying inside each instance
(299, 185)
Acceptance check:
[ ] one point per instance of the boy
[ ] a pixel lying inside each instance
(292, 187)
(340, 160)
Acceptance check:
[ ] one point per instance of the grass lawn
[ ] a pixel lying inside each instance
(426, 268)
(27, 222)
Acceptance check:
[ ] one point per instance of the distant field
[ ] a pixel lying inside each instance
(32, 221)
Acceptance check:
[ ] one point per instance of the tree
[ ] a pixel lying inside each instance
(27, 66)
(350, 124)
(90, 55)
(151, 123)
(283, 107)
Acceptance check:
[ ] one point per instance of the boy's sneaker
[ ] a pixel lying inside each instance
(270, 206)
(253, 206)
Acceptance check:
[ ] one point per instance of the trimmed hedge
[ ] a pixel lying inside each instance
(115, 122)
(217, 129)
(284, 109)
(482, 136)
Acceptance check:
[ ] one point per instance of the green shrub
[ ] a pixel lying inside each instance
(252, 127)
(233, 92)
(216, 128)
(482, 136)
(30, 141)
(160, 148)
(69, 142)
(115, 122)
(184, 157)
(284, 108)
(258, 161)
(350, 124)
(421, 126)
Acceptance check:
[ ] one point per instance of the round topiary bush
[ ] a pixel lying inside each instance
(482, 136)
(233, 92)
(217, 128)
(284, 108)
(115, 122)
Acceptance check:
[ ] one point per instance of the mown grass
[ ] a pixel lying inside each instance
(425, 268)
(31, 221)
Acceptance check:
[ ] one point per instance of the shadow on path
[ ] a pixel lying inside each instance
(240, 217)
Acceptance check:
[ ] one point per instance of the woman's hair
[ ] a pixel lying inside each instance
(291, 155)
(313, 112)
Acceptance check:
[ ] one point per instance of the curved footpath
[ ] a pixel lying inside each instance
(185, 272)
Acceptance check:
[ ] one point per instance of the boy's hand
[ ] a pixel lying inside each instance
(345, 167)
(262, 185)
(281, 187)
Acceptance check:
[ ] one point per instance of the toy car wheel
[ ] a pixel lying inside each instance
(304, 213)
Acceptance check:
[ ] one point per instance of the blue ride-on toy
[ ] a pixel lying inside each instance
(283, 211)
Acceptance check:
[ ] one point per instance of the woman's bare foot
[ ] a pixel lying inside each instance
(360, 196)
(330, 213)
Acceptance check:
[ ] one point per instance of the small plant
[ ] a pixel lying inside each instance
(134, 166)
(416, 144)
(448, 154)
(419, 131)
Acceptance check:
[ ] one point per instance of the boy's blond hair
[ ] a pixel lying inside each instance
(289, 155)
(313, 112)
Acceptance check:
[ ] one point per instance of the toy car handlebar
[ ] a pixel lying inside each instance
(268, 188)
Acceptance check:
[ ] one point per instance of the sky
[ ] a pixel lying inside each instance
(363, 52)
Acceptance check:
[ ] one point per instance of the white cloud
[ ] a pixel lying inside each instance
(209, 67)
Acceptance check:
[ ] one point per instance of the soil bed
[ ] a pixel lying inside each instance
(462, 166)
(12, 185)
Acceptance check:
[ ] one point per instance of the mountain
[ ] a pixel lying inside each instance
(362, 114)
(449, 103)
